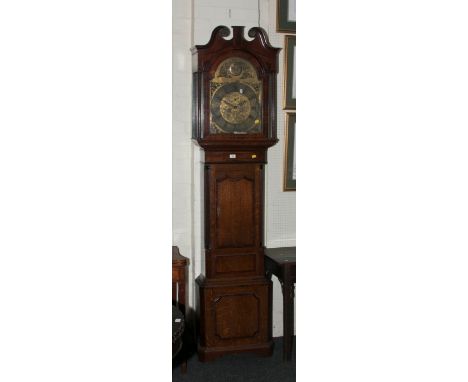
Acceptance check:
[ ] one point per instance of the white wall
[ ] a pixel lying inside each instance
(193, 22)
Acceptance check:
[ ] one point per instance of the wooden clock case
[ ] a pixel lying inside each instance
(234, 297)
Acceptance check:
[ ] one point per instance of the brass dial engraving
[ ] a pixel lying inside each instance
(235, 107)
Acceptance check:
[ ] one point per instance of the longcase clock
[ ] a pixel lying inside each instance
(234, 121)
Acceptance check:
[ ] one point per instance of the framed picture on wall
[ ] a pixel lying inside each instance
(290, 153)
(286, 16)
(290, 72)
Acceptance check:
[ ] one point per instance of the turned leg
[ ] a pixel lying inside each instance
(288, 317)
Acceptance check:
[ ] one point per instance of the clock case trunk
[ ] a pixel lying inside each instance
(234, 298)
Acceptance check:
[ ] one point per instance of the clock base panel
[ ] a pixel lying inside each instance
(234, 317)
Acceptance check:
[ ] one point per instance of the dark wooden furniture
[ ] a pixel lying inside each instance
(232, 77)
(179, 287)
(177, 330)
(281, 262)
(179, 279)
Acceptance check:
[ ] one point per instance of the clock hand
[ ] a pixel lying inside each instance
(229, 103)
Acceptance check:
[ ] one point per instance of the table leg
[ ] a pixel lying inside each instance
(288, 317)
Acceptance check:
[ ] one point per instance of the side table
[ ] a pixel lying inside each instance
(281, 262)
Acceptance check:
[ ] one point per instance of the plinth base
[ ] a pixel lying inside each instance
(234, 317)
(209, 354)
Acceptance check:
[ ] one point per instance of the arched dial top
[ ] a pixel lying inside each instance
(235, 98)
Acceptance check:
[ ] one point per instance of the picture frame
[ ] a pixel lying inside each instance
(289, 73)
(290, 153)
(286, 16)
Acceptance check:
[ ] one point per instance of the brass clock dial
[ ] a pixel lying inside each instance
(235, 98)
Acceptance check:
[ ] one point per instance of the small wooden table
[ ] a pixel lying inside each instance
(281, 262)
